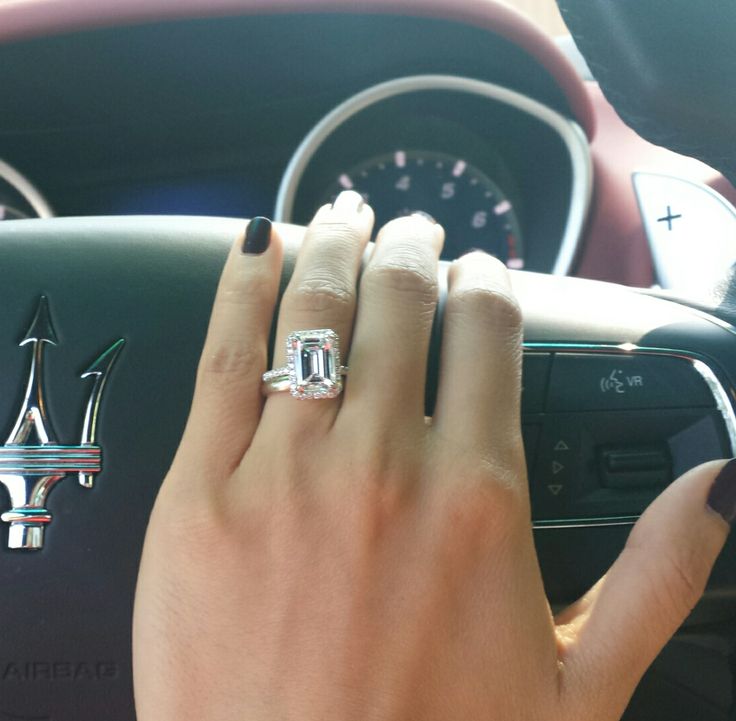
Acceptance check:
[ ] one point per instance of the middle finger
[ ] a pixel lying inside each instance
(398, 297)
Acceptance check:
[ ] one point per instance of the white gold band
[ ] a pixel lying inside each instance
(278, 380)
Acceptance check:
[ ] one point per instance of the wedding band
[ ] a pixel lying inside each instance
(312, 367)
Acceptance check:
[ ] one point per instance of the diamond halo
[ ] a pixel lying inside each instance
(313, 369)
(313, 364)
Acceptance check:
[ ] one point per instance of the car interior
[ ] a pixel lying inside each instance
(137, 137)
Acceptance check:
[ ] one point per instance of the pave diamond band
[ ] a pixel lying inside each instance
(312, 367)
(278, 380)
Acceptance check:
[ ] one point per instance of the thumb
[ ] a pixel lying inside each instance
(612, 635)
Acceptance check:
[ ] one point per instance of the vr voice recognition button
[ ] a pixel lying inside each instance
(586, 382)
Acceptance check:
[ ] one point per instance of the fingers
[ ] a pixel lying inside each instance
(227, 400)
(398, 297)
(480, 370)
(322, 293)
(622, 624)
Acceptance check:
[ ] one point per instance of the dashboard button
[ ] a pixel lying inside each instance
(586, 382)
(633, 466)
(612, 464)
(557, 467)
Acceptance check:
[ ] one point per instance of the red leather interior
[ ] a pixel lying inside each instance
(615, 245)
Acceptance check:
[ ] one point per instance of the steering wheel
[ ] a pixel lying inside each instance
(666, 65)
(622, 391)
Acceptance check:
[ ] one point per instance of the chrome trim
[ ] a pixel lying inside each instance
(99, 370)
(30, 193)
(570, 133)
(677, 249)
(279, 379)
(723, 403)
(718, 390)
(587, 523)
(32, 462)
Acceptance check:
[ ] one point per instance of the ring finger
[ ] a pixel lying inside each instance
(322, 294)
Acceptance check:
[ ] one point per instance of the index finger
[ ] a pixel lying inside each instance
(227, 403)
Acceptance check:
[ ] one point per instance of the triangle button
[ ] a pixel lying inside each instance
(561, 446)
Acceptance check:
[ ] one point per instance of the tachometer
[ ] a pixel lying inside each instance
(473, 210)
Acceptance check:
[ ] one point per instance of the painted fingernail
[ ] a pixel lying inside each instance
(349, 201)
(722, 496)
(257, 236)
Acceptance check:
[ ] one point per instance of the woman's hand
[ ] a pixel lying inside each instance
(346, 559)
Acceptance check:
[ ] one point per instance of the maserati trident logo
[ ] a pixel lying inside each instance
(33, 461)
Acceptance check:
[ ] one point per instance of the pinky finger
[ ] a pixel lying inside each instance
(227, 402)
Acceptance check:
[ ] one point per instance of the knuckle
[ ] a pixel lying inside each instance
(335, 232)
(381, 507)
(230, 358)
(486, 304)
(677, 576)
(248, 292)
(485, 507)
(318, 295)
(404, 279)
(682, 582)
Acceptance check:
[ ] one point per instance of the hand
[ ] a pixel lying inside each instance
(346, 559)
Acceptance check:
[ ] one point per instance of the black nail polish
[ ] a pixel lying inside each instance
(257, 236)
(722, 496)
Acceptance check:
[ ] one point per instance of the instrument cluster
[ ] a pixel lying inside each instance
(500, 171)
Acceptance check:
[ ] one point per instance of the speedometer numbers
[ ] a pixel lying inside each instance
(468, 204)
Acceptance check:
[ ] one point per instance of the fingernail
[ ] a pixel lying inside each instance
(349, 201)
(257, 236)
(425, 216)
(722, 496)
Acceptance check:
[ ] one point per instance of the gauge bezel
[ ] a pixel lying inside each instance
(569, 132)
(26, 189)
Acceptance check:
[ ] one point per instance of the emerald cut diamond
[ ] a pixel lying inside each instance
(313, 362)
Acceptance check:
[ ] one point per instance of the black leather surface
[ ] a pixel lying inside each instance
(668, 67)
(65, 611)
(71, 603)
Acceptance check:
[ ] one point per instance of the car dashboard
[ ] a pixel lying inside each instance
(273, 114)
(466, 112)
